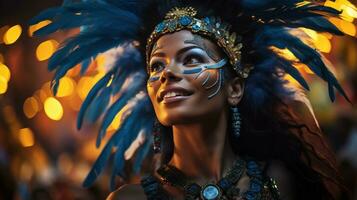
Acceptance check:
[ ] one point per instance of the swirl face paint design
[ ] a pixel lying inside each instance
(217, 78)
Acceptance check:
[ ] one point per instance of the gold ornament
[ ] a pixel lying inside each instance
(184, 19)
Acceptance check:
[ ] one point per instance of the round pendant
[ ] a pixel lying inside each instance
(211, 192)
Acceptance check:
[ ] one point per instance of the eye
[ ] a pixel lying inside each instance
(193, 60)
(156, 66)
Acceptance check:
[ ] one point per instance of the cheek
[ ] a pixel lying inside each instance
(152, 89)
(209, 83)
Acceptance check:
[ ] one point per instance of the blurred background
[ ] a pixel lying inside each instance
(44, 156)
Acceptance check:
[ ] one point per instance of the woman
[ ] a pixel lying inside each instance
(229, 125)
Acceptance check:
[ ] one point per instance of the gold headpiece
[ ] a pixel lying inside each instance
(184, 18)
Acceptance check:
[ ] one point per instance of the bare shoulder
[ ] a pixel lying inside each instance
(129, 191)
(284, 179)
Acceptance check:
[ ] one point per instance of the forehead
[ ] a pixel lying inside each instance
(170, 40)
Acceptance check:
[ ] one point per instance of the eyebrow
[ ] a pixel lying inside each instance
(155, 47)
(179, 52)
(185, 49)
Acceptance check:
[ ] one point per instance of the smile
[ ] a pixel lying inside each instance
(173, 94)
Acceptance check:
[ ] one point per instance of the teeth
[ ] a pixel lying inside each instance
(172, 94)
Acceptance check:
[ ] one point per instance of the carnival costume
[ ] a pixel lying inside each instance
(249, 32)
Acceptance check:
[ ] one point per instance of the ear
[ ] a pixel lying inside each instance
(235, 91)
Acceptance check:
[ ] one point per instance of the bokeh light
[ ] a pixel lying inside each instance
(53, 108)
(3, 85)
(5, 72)
(84, 85)
(66, 87)
(12, 34)
(30, 107)
(26, 137)
(348, 13)
(347, 27)
(45, 50)
(37, 26)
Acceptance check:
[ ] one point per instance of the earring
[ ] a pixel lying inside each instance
(157, 136)
(236, 121)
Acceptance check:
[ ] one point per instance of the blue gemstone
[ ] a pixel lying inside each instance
(255, 186)
(172, 25)
(250, 196)
(224, 184)
(252, 165)
(194, 189)
(185, 20)
(210, 192)
(160, 27)
(196, 27)
(207, 20)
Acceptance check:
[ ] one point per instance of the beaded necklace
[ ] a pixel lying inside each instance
(225, 188)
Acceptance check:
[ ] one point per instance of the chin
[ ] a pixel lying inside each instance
(177, 116)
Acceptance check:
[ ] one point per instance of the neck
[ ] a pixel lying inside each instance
(201, 150)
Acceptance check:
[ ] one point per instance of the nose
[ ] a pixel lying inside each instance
(170, 73)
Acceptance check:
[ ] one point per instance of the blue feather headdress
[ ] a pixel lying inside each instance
(107, 24)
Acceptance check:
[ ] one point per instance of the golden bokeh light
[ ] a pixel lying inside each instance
(5, 72)
(3, 30)
(323, 43)
(319, 40)
(30, 107)
(84, 85)
(351, 11)
(348, 13)
(12, 34)
(53, 108)
(66, 87)
(41, 96)
(45, 50)
(115, 123)
(3, 85)
(37, 26)
(287, 54)
(26, 137)
(347, 27)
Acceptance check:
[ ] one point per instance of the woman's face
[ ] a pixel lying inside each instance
(186, 79)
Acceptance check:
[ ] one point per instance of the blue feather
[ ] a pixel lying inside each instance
(99, 105)
(280, 38)
(145, 148)
(100, 163)
(128, 93)
(91, 95)
(85, 64)
(128, 132)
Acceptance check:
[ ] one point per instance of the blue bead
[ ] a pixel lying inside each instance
(250, 196)
(251, 165)
(224, 184)
(194, 188)
(160, 27)
(210, 192)
(185, 20)
(255, 186)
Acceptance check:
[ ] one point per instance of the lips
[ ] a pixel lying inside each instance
(173, 94)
